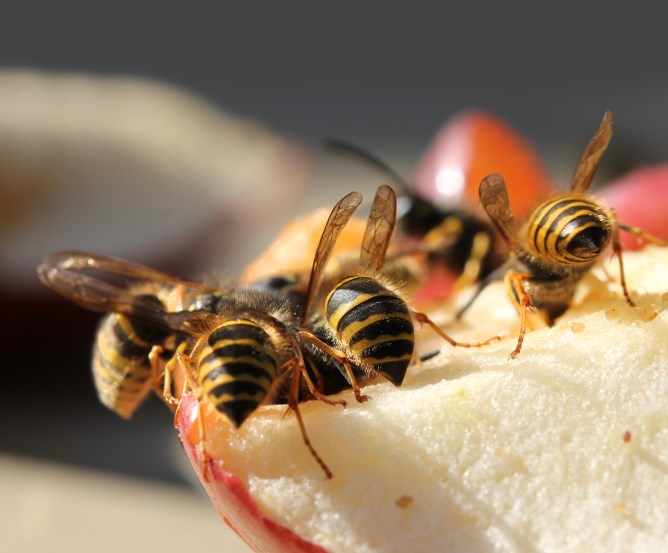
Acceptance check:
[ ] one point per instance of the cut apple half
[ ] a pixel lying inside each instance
(562, 449)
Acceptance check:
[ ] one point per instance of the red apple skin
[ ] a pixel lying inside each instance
(640, 198)
(230, 497)
(469, 147)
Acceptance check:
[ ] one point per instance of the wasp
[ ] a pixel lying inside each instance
(129, 347)
(239, 347)
(438, 208)
(559, 242)
(453, 237)
(358, 311)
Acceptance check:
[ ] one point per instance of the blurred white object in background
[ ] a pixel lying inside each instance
(132, 168)
(56, 508)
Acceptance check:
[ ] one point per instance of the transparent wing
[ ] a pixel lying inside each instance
(494, 198)
(108, 284)
(586, 168)
(379, 229)
(337, 221)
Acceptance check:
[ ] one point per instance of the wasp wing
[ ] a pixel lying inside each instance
(586, 168)
(379, 229)
(494, 198)
(108, 284)
(337, 221)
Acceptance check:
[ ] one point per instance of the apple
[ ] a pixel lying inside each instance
(562, 449)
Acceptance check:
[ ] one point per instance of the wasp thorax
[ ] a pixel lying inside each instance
(237, 367)
(373, 324)
(569, 231)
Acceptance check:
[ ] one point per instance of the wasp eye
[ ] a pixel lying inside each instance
(588, 243)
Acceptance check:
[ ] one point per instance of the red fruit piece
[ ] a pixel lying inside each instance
(469, 147)
(640, 198)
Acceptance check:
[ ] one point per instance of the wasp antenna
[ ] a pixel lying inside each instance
(357, 153)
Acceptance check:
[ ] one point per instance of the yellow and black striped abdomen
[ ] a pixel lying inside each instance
(121, 368)
(237, 367)
(374, 324)
(569, 230)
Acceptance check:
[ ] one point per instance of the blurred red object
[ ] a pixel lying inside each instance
(469, 147)
(640, 198)
(466, 149)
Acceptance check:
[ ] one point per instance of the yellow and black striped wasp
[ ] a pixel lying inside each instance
(560, 241)
(132, 341)
(358, 314)
(239, 346)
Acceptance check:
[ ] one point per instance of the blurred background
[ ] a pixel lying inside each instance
(184, 140)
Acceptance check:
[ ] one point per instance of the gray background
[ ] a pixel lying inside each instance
(376, 73)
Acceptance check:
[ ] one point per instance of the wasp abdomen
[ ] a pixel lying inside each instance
(569, 230)
(374, 324)
(121, 368)
(237, 367)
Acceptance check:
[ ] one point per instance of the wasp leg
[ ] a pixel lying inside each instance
(320, 383)
(299, 361)
(449, 230)
(167, 395)
(293, 403)
(422, 318)
(340, 357)
(164, 391)
(190, 380)
(206, 460)
(315, 391)
(309, 383)
(515, 281)
(617, 251)
(643, 234)
(480, 248)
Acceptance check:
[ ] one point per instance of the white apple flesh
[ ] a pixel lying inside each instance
(563, 449)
